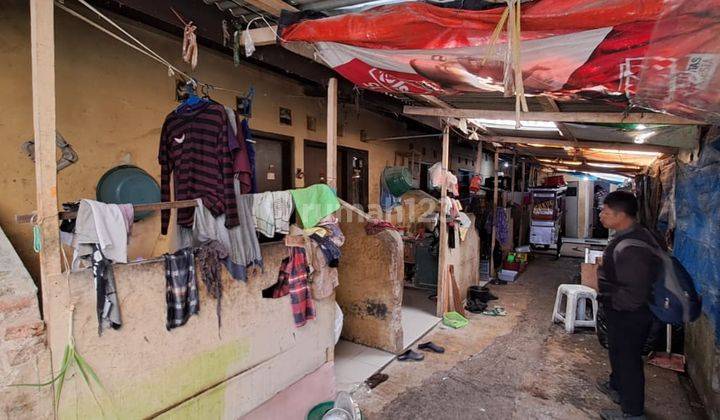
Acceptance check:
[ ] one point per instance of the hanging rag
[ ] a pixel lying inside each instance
(209, 256)
(313, 203)
(249, 143)
(240, 242)
(107, 307)
(437, 177)
(264, 213)
(243, 168)
(128, 212)
(181, 295)
(101, 224)
(387, 200)
(328, 248)
(465, 224)
(282, 210)
(292, 280)
(189, 45)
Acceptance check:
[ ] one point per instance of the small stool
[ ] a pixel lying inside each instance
(574, 316)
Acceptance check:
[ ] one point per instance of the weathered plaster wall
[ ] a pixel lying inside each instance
(195, 370)
(371, 286)
(112, 101)
(24, 357)
(465, 257)
(703, 362)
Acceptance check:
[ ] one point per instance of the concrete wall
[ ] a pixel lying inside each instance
(465, 257)
(112, 101)
(371, 286)
(24, 357)
(196, 370)
(703, 362)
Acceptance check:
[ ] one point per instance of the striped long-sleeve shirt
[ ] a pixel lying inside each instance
(194, 148)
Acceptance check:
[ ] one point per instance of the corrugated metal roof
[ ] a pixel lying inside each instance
(245, 10)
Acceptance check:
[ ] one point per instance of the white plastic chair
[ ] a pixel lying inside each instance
(574, 314)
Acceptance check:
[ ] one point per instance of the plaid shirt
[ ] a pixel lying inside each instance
(181, 293)
(292, 280)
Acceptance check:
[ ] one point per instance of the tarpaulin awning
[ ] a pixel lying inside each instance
(568, 46)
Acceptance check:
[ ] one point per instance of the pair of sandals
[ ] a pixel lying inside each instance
(478, 298)
(412, 356)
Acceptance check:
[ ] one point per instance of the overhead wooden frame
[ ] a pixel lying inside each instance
(577, 117)
(587, 144)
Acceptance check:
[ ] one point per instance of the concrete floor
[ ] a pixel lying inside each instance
(515, 367)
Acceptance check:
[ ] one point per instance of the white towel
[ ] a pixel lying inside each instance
(264, 214)
(102, 224)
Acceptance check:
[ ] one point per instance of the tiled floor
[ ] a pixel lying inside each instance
(354, 362)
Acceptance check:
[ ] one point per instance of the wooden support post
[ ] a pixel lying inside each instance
(512, 179)
(42, 41)
(479, 159)
(522, 181)
(496, 169)
(331, 163)
(443, 285)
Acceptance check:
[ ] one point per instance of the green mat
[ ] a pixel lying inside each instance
(454, 320)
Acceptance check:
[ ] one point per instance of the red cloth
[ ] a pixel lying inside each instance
(292, 280)
(375, 226)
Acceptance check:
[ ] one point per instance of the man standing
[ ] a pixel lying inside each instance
(626, 278)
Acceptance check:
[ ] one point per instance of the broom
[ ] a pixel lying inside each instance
(668, 359)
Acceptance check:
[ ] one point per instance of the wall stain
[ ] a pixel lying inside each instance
(376, 309)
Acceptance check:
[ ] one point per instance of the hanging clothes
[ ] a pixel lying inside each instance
(324, 277)
(181, 295)
(292, 280)
(194, 149)
(101, 224)
(264, 213)
(375, 226)
(282, 210)
(189, 45)
(239, 150)
(313, 203)
(249, 144)
(240, 242)
(328, 249)
(209, 256)
(107, 307)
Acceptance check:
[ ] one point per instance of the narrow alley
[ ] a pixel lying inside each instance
(518, 366)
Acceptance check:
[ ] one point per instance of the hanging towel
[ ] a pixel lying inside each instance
(107, 307)
(181, 294)
(264, 213)
(248, 137)
(292, 280)
(102, 224)
(128, 212)
(282, 210)
(313, 203)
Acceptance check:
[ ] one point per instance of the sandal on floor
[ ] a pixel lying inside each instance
(410, 355)
(376, 380)
(496, 311)
(430, 346)
(475, 306)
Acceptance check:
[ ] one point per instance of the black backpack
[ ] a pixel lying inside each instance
(674, 299)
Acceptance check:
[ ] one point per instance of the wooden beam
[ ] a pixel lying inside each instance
(522, 181)
(264, 36)
(443, 281)
(496, 168)
(65, 215)
(512, 179)
(331, 162)
(479, 159)
(419, 136)
(549, 104)
(273, 7)
(586, 168)
(578, 117)
(42, 42)
(587, 144)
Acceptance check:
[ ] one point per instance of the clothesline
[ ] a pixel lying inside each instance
(64, 215)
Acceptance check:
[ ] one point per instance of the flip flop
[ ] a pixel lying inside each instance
(411, 356)
(430, 346)
(376, 380)
(496, 311)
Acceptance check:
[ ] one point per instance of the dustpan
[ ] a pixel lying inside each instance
(668, 359)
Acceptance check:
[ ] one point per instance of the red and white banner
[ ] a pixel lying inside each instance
(568, 46)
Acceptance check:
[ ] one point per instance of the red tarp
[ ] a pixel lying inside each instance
(568, 46)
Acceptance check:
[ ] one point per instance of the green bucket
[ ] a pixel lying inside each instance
(398, 180)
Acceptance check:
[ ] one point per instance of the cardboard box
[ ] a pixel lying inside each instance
(588, 275)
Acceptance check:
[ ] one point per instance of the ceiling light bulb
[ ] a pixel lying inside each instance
(506, 164)
(639, 140)
(640, 127)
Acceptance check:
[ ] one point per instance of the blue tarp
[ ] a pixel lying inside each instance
(697, 234)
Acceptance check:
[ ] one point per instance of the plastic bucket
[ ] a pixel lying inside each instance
(398, 180)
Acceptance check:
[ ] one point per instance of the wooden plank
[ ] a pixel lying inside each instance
(64, 215)
(587, 144)
(496, 168)
(443, 286)
(512, 178)
(479, 158)
(264, 36)
(578, 117)
(331, 162)
(522, 181)
(42, 42)
(273, 7)
(549, 104)
(418, 136)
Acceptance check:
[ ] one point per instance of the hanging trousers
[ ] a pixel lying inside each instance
(627, 333)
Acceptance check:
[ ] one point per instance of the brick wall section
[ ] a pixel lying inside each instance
(24, 356)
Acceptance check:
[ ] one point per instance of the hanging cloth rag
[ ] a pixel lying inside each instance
(209, 256)
(249, 144)
(375, 226)
(282, 210)
(292, 280)
(101, 224)
(181, 295)
(313, 203)
(264, 213)
(328, 248)
(465, 224)
(189, 45)
(107, 307)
